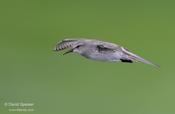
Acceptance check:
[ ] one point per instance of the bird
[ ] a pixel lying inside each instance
(99, 50)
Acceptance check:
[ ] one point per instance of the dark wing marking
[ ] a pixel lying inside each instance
(126, 60)
(102, 48)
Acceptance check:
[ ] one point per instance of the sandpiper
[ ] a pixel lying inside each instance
(99, 50)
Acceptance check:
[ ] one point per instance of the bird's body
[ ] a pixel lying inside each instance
(99, 50)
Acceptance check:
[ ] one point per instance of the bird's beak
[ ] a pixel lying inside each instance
(70, 51)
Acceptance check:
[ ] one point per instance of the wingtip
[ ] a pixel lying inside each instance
(55, 49)
(156, 66)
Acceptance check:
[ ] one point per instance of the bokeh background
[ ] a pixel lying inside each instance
(31, 72)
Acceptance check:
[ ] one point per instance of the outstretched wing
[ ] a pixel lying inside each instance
(67, 43)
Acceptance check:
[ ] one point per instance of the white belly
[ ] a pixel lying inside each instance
(104, 57)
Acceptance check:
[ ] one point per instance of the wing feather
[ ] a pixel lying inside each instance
(66, 43)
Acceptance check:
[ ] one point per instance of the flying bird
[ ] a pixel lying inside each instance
(99, 50)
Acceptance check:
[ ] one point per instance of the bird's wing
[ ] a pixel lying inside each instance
(131, 56)
(67, 43)
(72, 43)
(106, 46)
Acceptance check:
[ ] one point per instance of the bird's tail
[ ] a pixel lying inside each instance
(135, 57)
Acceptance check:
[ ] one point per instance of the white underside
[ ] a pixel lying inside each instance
(104, 57)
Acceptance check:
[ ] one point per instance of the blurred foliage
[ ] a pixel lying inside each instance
(32, 72)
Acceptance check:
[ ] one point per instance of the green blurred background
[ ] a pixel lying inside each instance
(31, 72)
